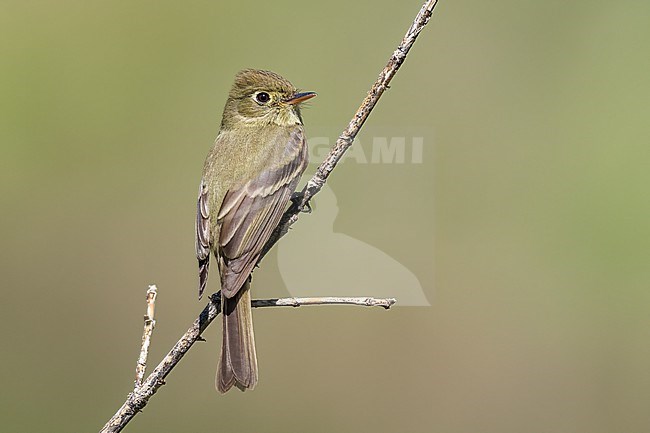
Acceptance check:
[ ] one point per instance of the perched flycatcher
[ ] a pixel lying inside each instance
(248, 179)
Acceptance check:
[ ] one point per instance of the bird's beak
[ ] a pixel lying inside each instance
(300, 97)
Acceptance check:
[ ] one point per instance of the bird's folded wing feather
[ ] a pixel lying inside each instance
(202, 238)
(249, 214)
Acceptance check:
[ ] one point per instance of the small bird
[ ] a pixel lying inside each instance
(248, 179)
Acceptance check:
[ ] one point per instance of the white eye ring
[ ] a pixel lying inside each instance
(262, 97)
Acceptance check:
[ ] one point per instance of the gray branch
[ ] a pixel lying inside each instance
(326, 300)
(149, 325)
(346, 138)
(138, 399)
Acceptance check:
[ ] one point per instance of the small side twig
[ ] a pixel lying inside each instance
(149, 325)
(140, 396)
(329, 300)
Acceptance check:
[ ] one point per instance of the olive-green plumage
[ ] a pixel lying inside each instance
(248, 178)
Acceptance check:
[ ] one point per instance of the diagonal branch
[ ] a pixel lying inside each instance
(140, 396)
(347, 137)
(137, 399)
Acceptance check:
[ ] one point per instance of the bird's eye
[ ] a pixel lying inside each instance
(263, 97)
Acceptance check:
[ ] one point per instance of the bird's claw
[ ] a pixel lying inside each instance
(306, 208)
(296, 198)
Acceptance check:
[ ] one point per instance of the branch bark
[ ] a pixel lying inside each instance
(137, 399)
(140, 396)
(328, 300)
(149, 325)
(347, 137)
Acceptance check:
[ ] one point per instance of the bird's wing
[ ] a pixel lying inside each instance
(249, 214)
(202, 238)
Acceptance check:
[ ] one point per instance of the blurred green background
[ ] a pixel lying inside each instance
(527, 223)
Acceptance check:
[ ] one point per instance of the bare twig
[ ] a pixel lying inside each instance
(149, 324)
(346, 138)
(329, 300)
(138, 399)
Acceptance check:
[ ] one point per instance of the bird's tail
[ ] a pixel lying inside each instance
(238, 364)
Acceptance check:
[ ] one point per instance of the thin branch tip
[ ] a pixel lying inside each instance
(149, 325)
(390, 303)
(348, 135)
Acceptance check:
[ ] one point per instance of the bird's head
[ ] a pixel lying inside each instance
(260, 98)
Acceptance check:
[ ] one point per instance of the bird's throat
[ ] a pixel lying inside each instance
(286, 117)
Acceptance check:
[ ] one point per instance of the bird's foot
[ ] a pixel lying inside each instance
(296, 198)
